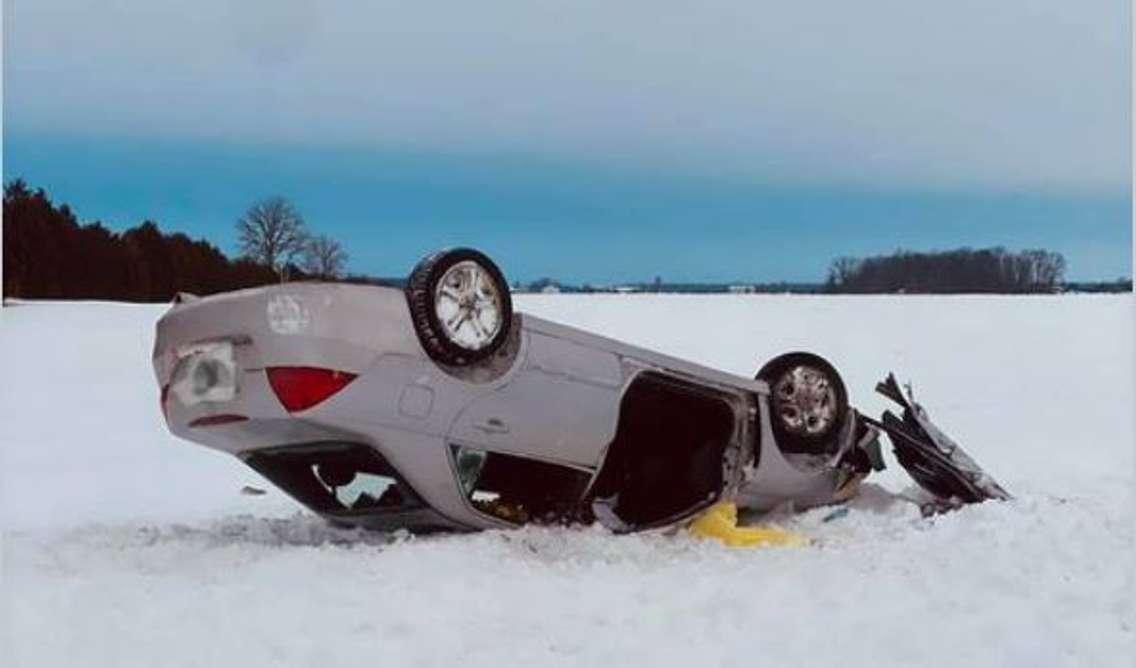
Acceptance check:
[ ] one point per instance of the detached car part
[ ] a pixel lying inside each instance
(933, 459)
(437, 407)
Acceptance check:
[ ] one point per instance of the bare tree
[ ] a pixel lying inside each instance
(842, 270)
(324, 257)
(1048, 268)
(272, 232)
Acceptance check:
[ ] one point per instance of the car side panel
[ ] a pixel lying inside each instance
(561, 406)
(647, 359)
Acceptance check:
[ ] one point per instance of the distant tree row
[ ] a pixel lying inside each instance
(961, 270)
(48, 254)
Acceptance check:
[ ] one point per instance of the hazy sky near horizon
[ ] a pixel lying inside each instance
(589, 140)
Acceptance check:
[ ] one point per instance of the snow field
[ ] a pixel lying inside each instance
(125, 547)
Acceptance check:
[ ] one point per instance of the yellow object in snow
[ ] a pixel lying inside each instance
(720, 522)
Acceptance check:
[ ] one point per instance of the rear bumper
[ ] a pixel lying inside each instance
(348, 328)
(331, 326)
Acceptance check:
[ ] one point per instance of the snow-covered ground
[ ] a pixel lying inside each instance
(126, 547)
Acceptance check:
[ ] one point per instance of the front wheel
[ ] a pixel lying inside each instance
(461, 306)
(808, 401)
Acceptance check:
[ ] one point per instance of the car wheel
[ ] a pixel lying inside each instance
(461, 306)
(808, 401)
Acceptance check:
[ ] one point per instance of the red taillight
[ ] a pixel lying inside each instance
(301, 387)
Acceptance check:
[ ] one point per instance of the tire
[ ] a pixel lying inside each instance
(460, 306)
(808, 401)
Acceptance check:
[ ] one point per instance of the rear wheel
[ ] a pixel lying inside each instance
(808, 401)
(461, 306)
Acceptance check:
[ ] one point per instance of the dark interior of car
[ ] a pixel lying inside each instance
(666, 458)
(519, 489)
(336, 478)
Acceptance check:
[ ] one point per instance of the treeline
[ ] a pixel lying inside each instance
(962, 270)
(1119, 285)
(48, 254)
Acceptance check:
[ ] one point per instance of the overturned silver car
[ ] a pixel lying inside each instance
(436, 407)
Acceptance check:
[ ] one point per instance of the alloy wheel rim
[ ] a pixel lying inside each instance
(468, 305)
(805, 401)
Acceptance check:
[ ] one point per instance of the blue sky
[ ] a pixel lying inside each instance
(585, 140)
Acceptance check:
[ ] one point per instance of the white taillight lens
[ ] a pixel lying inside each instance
(205, 372)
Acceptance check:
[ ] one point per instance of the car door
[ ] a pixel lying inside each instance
(562, 405)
